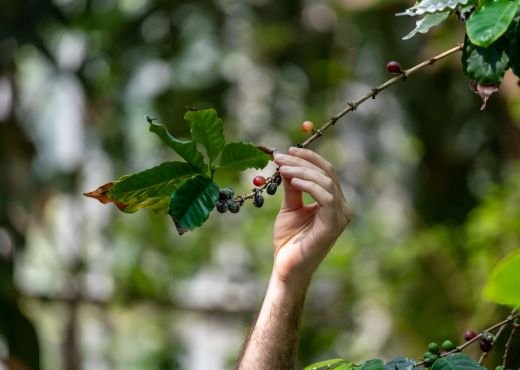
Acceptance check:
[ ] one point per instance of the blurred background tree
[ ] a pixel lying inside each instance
(434, 182)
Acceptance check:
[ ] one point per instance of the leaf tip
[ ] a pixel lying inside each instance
(101, 195)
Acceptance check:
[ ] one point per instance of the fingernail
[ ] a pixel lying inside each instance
(294, 149)
(279, 156)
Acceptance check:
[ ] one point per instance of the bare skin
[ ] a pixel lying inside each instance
(303, 235)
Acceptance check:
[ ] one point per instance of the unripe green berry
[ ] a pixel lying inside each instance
(271, 188)
(448, 345)
(433, 347)
(428, 362)
(434, 357)
(428, 354)
(500, 367)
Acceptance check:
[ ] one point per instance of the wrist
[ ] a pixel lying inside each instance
(295, 283)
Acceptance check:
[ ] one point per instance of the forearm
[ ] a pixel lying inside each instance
(273, 340)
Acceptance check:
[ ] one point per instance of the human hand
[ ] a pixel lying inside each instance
(304, 234)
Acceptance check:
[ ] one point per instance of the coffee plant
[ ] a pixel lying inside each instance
(187, 192)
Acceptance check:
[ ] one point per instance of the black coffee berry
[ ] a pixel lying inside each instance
(221, 207)
(258, 200)
(277, 179)
(225, 194)
(271, 188)
(233, 206)
(487, 337)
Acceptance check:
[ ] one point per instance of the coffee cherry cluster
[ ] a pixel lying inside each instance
(226, 201)
(434, 352)
(259, 181)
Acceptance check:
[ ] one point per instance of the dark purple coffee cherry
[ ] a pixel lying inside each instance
(393, 67)
(233, 206)
(487, 337)
(271, 188)
(222, 207)
(277, 179)
(469, 335)
(485, 346)
(225, 194)
(258, 200)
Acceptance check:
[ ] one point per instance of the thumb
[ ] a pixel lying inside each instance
(292, 198)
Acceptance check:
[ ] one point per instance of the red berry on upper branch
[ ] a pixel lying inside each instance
(393, 67)
(259, 181)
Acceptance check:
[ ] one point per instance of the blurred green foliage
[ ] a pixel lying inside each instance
(434, 182)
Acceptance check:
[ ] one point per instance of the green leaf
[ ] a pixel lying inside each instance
(192, 203)
(502, 285)
(423, 25)
(240, 156)
(186, 149)
(513, 35)
(456, 361)
(151, 188)
(490, 21)
(335, 363)
(486, 65)
(433, 6)
(400, 363)
(207, 129)
(375, 364)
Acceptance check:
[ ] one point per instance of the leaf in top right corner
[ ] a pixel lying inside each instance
(457, 361)
(503, 284)
(490, 21)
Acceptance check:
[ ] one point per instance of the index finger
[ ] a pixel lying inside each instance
(315, 159)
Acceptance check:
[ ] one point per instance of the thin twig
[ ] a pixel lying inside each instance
(352, 106)
(509, 344)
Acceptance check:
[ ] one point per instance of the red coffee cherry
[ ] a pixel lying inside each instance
(393, 67)
(259, 181)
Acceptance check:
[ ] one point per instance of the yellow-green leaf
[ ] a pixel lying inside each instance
(503, 284)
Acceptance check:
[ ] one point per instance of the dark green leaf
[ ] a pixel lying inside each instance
(335, 363)
(151, 188)
(486, 65)
(186, 149)
(240, 156)
(207, 129)
(490, 21)
(423, 25)
(456, 361)
(192, 203)
(400, 363)
(502, 285)
(375, 364)
(433, 6)
(513, 35)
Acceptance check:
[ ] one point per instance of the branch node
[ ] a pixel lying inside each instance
(299, 145)
(352, 106)
(432, 60)
(375, 91)
(405, 75)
